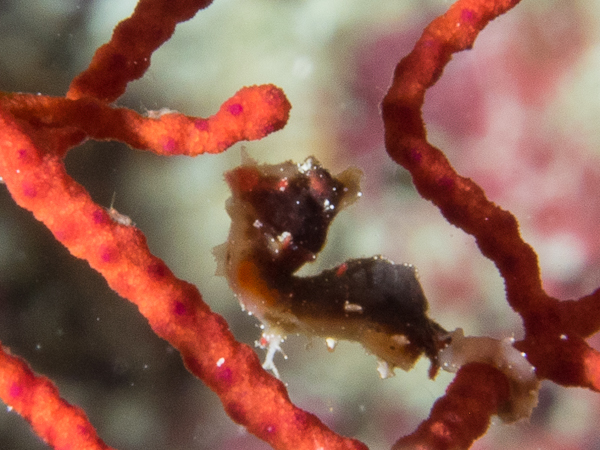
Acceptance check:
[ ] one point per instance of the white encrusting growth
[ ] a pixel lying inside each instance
(157, 114)
(524, 384)
(116, 216)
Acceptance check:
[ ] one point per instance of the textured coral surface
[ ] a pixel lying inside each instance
(516, 114)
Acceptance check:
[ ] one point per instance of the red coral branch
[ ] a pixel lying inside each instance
(61, 425)
(251, 114)
(461, 201)
(37, 131)
(463, 414)
(555, 331)
(581, 316)
(175, 310)
(126, 57)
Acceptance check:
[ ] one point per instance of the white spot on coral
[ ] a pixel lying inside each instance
(116, 216)
(121, 219)
(220, 362)
(156, 114)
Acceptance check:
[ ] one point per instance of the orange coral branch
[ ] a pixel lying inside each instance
(175, 310)
(461, 201)
(37, 131)
(463, 414)
(555, 331)
(59, 424)
(251, 114)
(126, 57)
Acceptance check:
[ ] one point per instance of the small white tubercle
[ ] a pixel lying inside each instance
(384, 369)
(524, 384)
